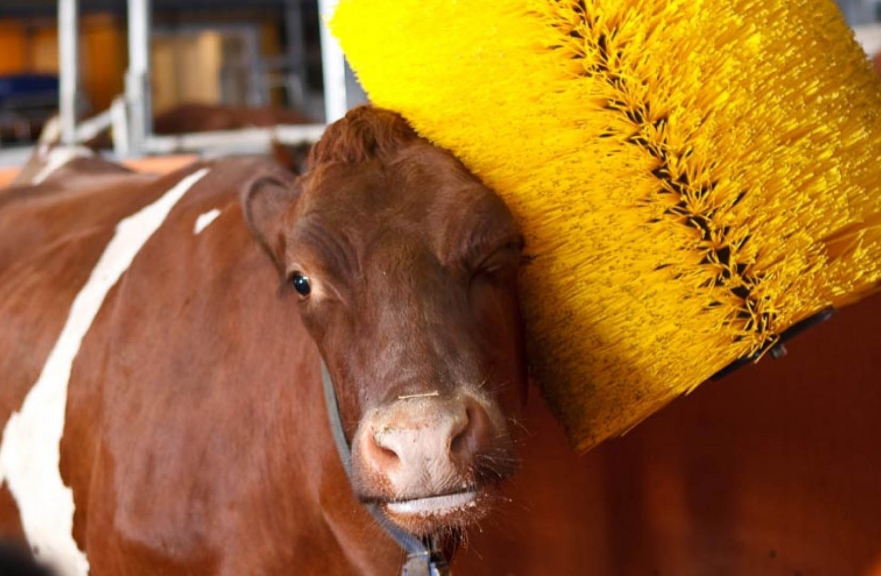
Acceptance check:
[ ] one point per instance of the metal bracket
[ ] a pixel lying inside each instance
(777, 349)
(421, 564)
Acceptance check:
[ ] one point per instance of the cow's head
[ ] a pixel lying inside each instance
(406, 268)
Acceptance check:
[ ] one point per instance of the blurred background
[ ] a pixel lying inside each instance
(860, 12)
(260, 54)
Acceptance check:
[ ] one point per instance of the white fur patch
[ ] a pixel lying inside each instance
(58, 157)
(29, 454)
(204, 220)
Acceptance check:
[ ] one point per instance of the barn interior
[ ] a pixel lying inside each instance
(80, 57)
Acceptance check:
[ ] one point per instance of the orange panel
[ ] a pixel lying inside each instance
(103, 57)
(13, 47)
(160, 164)
(150, 164)
(44, 51)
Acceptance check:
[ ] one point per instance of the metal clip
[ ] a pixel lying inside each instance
(421, 564)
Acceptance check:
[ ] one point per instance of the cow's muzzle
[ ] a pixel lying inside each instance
(432, 461)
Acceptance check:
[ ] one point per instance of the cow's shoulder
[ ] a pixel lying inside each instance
(122, 274)
(188, 366)
(51, 238)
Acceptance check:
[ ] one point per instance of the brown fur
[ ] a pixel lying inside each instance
(201, 117)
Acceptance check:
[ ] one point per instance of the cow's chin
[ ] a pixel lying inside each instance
(438, 514)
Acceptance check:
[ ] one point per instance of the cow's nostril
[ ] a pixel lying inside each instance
(468, 438)
(460, 439)
(382, 450)
(388, 453)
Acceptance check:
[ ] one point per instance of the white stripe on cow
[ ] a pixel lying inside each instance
(205, 220)
(29, 454)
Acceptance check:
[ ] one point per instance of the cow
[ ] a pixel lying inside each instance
(204, 117)
(191, 117)
(163, 340)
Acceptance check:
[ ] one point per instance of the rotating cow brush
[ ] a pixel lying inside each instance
(693, 178)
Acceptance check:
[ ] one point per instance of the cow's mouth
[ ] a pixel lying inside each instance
(433, 514)
(434, 505)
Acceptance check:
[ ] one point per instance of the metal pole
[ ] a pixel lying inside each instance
(68, 58)
(258, 93)
(333, 65)
(137, 81)
(296, 53)
(119, 126)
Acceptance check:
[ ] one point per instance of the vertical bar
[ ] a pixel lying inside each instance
(296, 53)
(258, 93)
(355, 94)
(68, 58)
(137, 81)
(119, 128)
(333, 65)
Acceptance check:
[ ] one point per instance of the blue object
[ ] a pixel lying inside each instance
(22, 87)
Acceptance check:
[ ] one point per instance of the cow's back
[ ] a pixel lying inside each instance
(195, 437)
(51, 237)
(185, 358)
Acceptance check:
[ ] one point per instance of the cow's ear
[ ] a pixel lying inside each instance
(268, 203)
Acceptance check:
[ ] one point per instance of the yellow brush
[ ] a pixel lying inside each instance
(692, 177)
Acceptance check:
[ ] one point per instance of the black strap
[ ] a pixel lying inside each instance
(421, 560)
(776, 348)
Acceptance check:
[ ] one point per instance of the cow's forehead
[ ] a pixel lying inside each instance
(423, 189)
(421, 208)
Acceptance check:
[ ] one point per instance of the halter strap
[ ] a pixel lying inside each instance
(422, 559)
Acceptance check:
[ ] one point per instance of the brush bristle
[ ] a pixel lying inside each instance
(692, 177)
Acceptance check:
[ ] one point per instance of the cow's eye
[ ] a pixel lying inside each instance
(301, 284)
(500, 263)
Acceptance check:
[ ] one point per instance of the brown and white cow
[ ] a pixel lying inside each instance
(203, 117)
(193, 431)
(161, 391)
(194, 117)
